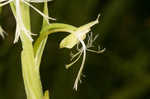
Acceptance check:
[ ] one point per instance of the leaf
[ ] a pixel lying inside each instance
(39, 48)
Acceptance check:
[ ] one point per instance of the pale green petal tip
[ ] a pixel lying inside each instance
(98, 18)
(2, 32)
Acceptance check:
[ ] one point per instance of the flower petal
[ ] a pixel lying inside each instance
(2, 32)
(5, 2)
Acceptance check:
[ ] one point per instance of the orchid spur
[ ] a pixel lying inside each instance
(19, 23)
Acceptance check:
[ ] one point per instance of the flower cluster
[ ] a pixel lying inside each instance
(76, 37)
(20, 28)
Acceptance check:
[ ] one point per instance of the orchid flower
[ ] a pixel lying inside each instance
(19, 22)
(76, 38)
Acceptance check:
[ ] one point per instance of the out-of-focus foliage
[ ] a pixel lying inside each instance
(121, 72)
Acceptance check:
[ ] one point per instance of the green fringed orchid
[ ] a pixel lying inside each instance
(32, 52)
(77, 35)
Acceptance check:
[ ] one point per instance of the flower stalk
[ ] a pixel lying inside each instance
(31, 74)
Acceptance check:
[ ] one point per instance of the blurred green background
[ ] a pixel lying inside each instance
(121, 72)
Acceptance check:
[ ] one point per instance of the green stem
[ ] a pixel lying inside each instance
(31, 75)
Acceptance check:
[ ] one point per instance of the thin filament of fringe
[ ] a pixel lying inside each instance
(20, 26)
(38, 1)
(69, 65)
(3, 0)
(5, 3)
(42, 14)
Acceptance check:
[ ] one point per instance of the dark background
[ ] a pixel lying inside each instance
(121, 72)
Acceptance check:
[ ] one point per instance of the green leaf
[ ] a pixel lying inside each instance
(39, 48)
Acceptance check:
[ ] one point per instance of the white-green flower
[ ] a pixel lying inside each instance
(77, 37)
(20, 28)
